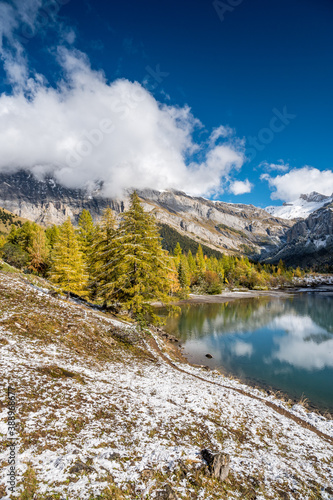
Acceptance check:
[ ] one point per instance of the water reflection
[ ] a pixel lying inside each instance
(306, 345)
(240, 348)
(285, 343)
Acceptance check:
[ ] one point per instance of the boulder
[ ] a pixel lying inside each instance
(218, 463)
(165, 493)
(127, 336)
(80, 467)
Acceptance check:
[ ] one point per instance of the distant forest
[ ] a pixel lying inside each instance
(170, 238)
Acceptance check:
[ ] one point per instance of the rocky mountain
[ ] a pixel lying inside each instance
(222, 226)
(226, 227)
(301, 208)
(309, 242)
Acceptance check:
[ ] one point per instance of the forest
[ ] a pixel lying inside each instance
(125, 266)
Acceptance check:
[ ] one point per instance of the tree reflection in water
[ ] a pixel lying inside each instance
(284, 343)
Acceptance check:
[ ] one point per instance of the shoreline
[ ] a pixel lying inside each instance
(234, 295)
(178, 349)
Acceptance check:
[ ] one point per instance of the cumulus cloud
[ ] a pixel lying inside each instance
(291, 185)
(302, 345)
(17, 27)
(242, 349)
(281, 166)
(87, 129)
(221, 132)
(240, 187)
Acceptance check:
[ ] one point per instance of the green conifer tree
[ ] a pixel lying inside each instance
(102, 252)
(184, 276)
(68, 269)
(200, 260)
(191, 264)
(52, 235)
(86, 231)
(12, 236)
(38, 252)
(177, 252)
(137, 270)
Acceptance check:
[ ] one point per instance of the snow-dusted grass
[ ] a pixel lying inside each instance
(101, 418)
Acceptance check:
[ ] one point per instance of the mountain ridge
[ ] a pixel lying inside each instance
(223, 227)
(301, 208)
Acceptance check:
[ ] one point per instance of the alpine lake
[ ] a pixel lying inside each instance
(282, 344)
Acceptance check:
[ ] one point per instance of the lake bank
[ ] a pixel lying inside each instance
(281, 342)
(229, 295)
(103, 414)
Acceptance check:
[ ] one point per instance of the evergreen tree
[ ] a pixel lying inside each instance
(200, 260)
(102, 253)
(38, 252)
(52, 235)
(191, 262)
(184, 276)
(67, 264)
(137, 269)
(177, 253)
(12, 236)
(26, 234)
(86, 231)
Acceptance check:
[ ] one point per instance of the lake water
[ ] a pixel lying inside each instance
(285, 344)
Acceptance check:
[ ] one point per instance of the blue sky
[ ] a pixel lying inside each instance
(260, 70)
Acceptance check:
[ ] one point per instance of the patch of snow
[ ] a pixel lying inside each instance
(300, 208)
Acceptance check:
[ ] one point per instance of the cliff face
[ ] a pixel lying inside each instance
(309, 242)
(223, 226)
(226, 226)
(47, 202)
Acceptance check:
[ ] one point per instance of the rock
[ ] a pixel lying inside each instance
(218, 463)
(147, 474)
(166, 493)
(127, 336)
(217, 224)
(80, 467)
(209, 356)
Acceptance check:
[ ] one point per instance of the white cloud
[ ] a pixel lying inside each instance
(281, 166)
(242, 349)
(220, 132)
(301, 346)
(17, 26)
(20, 22)
(240, 187)
(291, 185)
(87, 129)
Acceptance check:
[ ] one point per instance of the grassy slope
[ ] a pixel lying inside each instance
(104, 419)
(7, 219)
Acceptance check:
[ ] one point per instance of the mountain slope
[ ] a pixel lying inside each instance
(221, 226)
(309, 242)
(301, 208)
(102, 414)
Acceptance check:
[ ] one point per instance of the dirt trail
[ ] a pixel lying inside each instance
(153, 344)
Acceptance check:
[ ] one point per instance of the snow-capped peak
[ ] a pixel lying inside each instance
(315, 197)
(302, 207)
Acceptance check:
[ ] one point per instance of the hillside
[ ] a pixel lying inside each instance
(7, 219)
(301, 208)
(104, 414)
(221, 226)
(309, 242)
(300, 233)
